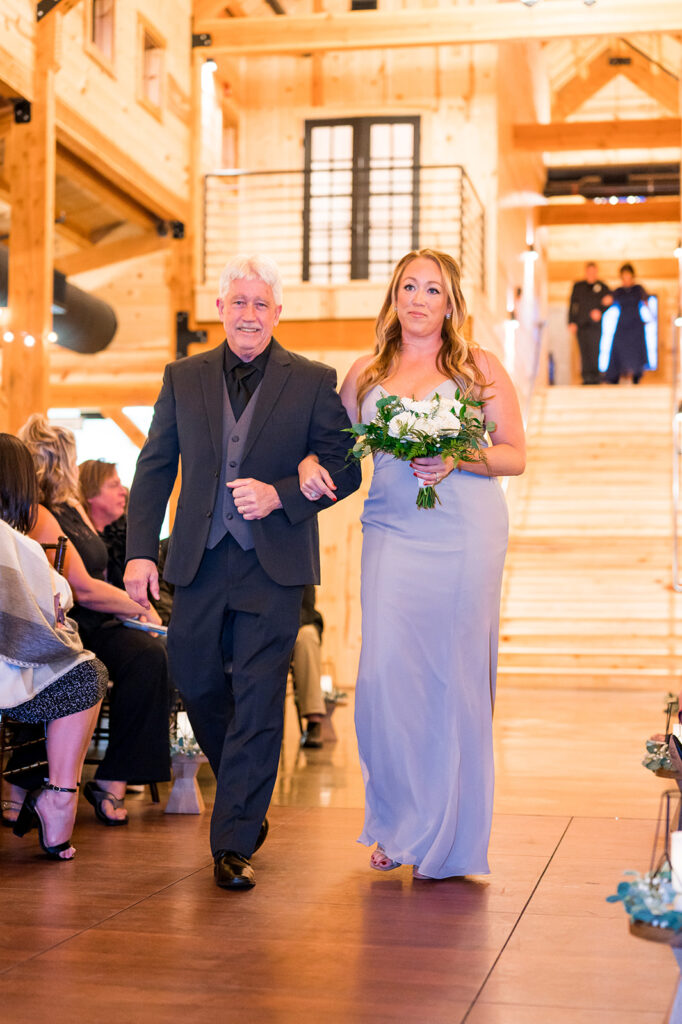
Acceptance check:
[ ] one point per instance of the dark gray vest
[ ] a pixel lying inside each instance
(226, 519)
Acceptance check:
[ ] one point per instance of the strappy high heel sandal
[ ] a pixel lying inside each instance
(29, 818)
(95, 796)
(380, 861)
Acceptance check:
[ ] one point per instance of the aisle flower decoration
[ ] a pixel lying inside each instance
(657, 757)
(408, 429)
(649, 898)
(183, 742)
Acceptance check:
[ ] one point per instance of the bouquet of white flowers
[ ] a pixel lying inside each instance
(407, 429)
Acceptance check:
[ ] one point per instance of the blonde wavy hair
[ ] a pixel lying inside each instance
(455, 356)
(54, 453)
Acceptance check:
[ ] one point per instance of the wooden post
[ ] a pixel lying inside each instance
(31, 175)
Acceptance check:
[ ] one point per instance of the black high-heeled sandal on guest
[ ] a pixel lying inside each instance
(95, 796)
(29, 818)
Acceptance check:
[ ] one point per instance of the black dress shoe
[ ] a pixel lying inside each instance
(233, 871)
(264, 829)
(312, 737)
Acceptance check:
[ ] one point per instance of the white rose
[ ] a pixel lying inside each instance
(450, 405)
(401, 424)
(423, 408)
(448, 422)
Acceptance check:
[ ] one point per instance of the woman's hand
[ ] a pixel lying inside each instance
(314, 480)
(151, 615)
(432, 471)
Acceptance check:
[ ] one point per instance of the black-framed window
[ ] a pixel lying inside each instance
(361, 204)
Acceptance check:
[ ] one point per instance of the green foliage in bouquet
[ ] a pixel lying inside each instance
(408, 429)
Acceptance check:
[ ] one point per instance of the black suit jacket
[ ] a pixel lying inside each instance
(298, 411)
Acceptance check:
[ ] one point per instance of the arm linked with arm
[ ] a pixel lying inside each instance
(328, 441)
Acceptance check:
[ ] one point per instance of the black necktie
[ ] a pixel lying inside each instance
(241, 377)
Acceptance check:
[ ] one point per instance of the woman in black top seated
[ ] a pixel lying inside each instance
(46, 676)
(138, 749)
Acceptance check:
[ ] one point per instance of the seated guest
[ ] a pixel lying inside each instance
(138, 750)
(307, 665)
(105, 500)
(46, 676)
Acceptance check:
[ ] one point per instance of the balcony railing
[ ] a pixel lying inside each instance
(333, 227)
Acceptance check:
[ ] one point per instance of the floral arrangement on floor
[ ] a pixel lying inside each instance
(649, 898)
(408, 429)
(657, 756)
(182, 739)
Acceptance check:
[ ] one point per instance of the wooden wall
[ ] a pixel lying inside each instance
(132, 365)
(107, 98)
(17, 32)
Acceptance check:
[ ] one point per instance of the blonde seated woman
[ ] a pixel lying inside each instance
(138, 751)
(46, 676)
(430, 586)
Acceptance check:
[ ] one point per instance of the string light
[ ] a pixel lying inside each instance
(29, 340)
(8, 336)
(53, 337)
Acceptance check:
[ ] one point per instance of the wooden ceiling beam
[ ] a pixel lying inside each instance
(590, 78)
(576, 135)
(653, 211)
(651, 78)
(16, 80)
(70, 233)
(111, 197)
(114, 252)
(96, 149)
(479, 23)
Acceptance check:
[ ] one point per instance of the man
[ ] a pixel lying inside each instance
(240, 418)
(588, 299)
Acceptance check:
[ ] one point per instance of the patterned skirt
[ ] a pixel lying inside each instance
(77, 690)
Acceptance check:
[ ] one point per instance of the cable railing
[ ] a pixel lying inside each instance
(330, 227)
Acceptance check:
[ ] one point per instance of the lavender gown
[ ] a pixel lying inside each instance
(431, 583)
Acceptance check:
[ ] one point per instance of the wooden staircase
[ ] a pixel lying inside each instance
(587, 600)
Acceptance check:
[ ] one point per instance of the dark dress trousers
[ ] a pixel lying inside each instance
(585, 298)
(237, 593)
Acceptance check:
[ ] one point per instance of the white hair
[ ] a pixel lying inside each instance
(252, 268)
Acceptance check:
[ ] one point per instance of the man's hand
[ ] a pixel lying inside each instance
(253, 498)
(573, 328)
(595, 315)
(141, 573)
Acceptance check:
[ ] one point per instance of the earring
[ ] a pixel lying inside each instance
(448, 315)
(395, 309)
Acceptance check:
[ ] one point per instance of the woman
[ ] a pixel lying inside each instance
(430, 586)
(138, 750)
(628, 356)
(104, 498)
(45, 675)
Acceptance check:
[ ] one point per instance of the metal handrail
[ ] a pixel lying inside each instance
(677, 455)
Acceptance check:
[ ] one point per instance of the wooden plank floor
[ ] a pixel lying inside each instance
(135, 931)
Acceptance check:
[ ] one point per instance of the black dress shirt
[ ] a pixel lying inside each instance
(242, 378)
